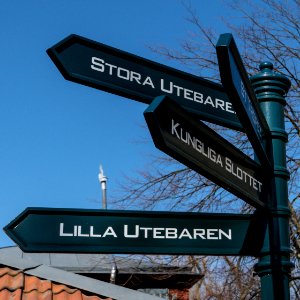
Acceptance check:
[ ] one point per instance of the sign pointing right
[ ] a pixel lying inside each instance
(239, 90)
(191, 142)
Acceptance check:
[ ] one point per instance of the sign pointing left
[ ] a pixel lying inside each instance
(136, 232)
(106, 68)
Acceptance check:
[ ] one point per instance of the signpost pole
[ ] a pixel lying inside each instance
(274, 265)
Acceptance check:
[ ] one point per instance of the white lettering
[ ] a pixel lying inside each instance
(200, 233)
(135, 76)
(223, 233)
(75, 230)
(174, 126)
(97, 64)
(229, 108)
(242, 175)
(81, 234)
(209, 153)
(146, 230)
(157, 233)
(211, 234)
(198, 97)
(250, 110)
(92, 234)
(125, 75)
(209, 101)
(111, 67)
(135, 235)
(100, 65)
(220, 104)
(61, 231)
(185, 233)
(109, 231)
(178, 88)
(148, 81)
(162, 87)
(188, 94)
(171, 233)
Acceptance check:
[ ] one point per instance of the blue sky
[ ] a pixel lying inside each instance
(55, 133)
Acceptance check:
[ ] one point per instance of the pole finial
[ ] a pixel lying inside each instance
(266, 65)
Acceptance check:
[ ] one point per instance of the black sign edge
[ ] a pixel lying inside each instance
(245, 251)
(160, 143)
(8, 229)
(231, 45)
(97, 212)
(53, 53)
(116, 250)
(225, 44)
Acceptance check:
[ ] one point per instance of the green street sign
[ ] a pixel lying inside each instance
(113, 231)
(194, 144)
(100, 66)
(239, 90)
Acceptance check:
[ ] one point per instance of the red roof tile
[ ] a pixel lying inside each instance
(15, 285)
(33, 283)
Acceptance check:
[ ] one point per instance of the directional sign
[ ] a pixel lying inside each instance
(239, 90)
(112, 231)
(115, 71)
(194, 144)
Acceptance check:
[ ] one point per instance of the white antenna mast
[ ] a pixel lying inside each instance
(102, 181)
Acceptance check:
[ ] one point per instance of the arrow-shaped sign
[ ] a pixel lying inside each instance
(112, 231)
(239, 90)
(100, 66)
(194, 144)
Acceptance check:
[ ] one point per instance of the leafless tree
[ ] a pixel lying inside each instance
(266, 30)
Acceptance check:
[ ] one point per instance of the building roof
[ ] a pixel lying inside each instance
(132, 273)
(21, 278)
(14, 284)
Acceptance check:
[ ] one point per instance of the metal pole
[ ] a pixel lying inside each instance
(103, 180)
(274, 264)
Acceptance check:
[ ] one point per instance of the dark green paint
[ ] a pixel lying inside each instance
(37, 230)
(238, 88)
(192, 141)
(73, 56)
(274, 265)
